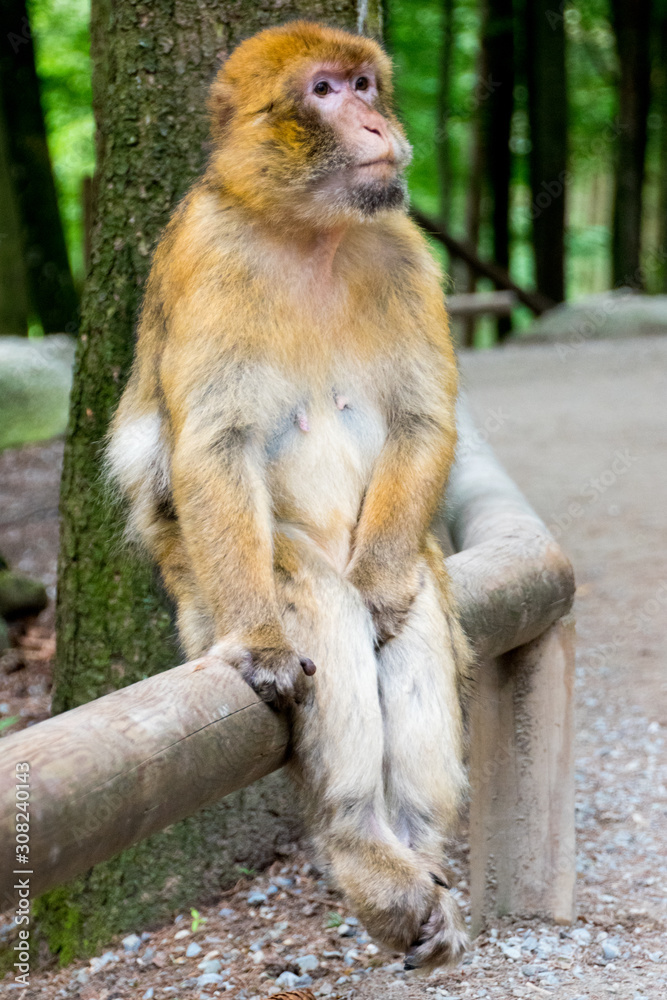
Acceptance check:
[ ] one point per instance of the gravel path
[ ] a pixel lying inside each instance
(583, 433)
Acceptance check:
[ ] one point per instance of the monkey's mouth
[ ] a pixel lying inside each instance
(384, 161)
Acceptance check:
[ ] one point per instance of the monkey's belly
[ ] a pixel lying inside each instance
(320, 470)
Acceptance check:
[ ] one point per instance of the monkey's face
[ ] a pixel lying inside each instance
(302, 129)
(358, 152)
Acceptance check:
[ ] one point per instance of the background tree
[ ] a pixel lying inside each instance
(496, 92)
(13, 286)
(51, 289)
(152, 65)
(547, 112)
(632, 22)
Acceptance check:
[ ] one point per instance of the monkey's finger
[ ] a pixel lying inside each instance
(307, 666)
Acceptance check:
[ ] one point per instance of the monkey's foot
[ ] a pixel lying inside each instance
(443, 939)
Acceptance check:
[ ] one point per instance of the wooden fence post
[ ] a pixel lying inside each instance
(522, 838)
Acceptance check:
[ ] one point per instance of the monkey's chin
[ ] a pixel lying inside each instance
(360, 200)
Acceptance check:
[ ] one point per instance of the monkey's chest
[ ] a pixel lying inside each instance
(321, 458)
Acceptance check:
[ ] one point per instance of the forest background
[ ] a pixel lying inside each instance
(539, 132)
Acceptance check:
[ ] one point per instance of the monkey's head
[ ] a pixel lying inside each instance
(303, 129)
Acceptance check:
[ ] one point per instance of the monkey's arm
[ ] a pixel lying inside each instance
(224, 512)
(401, 500)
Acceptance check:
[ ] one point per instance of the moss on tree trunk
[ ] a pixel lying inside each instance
(153, 62)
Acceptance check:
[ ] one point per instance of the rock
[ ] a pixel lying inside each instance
(179, 935)
(258, 944)
(529, 970)
(324, 990)
(35, 382)
(257, 898)
(351, 957)
(510, 950)
(372, 949)
(272, 890)
(226, 912)
(211, 966)
(352, 921)
(394, 967)
(145, 936)
(149, 994)
(192, 950)
(82, 976)
(283, 882)
(209, 979)
(607, 315)
(286, 980)
(344, 930)
(303, 981)
(307, 963)
(581, 936)
(98, 963)
(610, 951)
(549, 979)
(132, 942)
(20, 596)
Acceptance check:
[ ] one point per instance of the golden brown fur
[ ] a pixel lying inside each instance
(284, 441)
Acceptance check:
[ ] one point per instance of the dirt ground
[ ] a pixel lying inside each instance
(582, 430)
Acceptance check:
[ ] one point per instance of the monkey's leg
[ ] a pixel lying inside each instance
(419, 689)
(338, 736)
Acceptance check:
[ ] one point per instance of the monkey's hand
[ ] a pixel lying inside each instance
(387, 595)
(276, 673)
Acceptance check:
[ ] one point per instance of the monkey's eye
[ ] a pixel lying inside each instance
(322, 88)
(361, 83)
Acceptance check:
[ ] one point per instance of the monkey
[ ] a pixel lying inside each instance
(283, 443)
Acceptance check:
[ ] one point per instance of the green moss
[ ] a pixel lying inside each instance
(60, 923)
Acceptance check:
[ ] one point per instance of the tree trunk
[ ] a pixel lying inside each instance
(51, 290)
(474, 200)
(632, 22)
(442, 141)
(13, 291)
(660, 76)
(497, 107)
(547, 112)
(152, 67)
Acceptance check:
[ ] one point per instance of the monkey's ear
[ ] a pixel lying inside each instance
(221, 107)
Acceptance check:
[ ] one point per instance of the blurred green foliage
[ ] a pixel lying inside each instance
(62, 45)
(414, 36)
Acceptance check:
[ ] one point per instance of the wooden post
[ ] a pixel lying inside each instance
(522, 839)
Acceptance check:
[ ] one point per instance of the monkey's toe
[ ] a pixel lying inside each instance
(442, 940)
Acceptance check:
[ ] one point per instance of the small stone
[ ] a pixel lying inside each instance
(283, 882)
(149, 994)
(610, 951)
(179, 935)
(372, 949)
(132, 942)
(211, 966)
(345, 930)
(324, 990)
(256, 899)
(342, 980)
(529, 970)
(548, 979)
(272, 890)
(304, 980)
(394, 967)
(351, 957)
(510, 950)
(82, 976)
(192, 950)
(307, 963)
(581, 936)
(286, 980)
(209, 979)
(226, 912)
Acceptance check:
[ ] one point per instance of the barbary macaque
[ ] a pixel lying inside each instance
(284, 441)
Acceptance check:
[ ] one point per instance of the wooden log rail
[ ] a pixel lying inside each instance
(108, 774)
